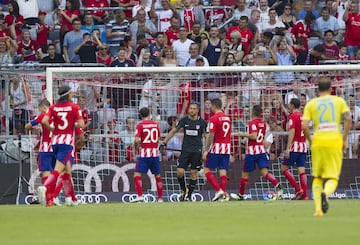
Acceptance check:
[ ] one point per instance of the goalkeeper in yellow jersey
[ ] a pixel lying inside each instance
(328, 142)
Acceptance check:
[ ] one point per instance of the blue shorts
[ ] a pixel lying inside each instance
(46, 161)
(62, 153)
(217, 161)
(143, 164)
(297, 159)
(262, 161)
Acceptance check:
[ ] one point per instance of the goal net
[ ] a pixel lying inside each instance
(113, 97)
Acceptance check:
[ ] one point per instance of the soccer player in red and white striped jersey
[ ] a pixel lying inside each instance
(66, 116)
(256, 154)
(146, 145)
(217, 149)
(295, 154)
(45, 157)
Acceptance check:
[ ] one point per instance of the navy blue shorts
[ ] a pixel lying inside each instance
(143, 164)
(46, 161)
(217, 161)
(62, 153)
(262, 160)
(297, 159)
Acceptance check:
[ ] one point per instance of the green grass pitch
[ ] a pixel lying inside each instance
(248, 222)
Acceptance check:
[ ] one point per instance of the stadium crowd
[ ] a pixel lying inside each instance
(149, 33)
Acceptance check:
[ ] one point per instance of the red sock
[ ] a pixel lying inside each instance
(50, 183)
(159, 186)
(291, 179)
(68, 186)
(212, 180)
(59, 186)
(223, 180)
(138, 185)
(43, 179)
(243, 183)
(303, 183)
(271, 178)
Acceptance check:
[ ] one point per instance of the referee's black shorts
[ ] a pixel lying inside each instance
(190, 158)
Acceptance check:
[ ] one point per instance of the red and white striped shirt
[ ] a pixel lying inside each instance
(45, 141)
(299, 141)
(148, 132)
(220, 125)
(256, 146)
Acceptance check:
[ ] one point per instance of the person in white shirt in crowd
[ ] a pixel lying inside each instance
(241, 9)
(181, 46)
(194, 55)
(163, 15)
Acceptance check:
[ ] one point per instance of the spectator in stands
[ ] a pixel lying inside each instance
(324, 23)
(295, 92)
(252, 83)
(190, 13)
(144, 59)
(20, 97)
(246, 34)
(236, 47)
(215, 16)
(150, 97)
(126, 4)
(355, 112)
(264, 13)
(264, 55)
(142, 26)
(42, 31)
(302, 28)
(211, 48)
(116, 30)
(103, 56)
(343, 52)
(3, 31)
(331, 47)
(92, 95)
(227, 59)
(156, 47)
(182, 46)
(168, 57)
(72, 40)
(7, 52)
(197, 34)
(67, 16)
(89, 25)
(29, 10)
(163, 15)
(308, 7)
(280, 112)
(270, 93)
(303, 100)
(52, 56)
(28, 49)
(278, 145)
(194, 50)
(142, 4)
(87, 48)
(100, 14)
(357, 55)
(241, 10)
(314, 55)
(14, 21)
(121, 60)
(273, 22)
(352, 31)
(287, 17)
(252, 25)
(128, 136)
(300, 51)
(286, 57)
(113, 143)
(339, 6)
(172, 33)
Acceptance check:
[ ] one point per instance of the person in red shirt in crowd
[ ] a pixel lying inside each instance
(14, 21)
(127, 5)
(190, 13)
(172, 33)
(302, 28)
(112, 142)
(182, 106)
(103, 56)
(28, 50)
(215, 16)
(67, 16)
(246, 34)
(98, 15)
(352, 28)
(42, 30)
(3, 31)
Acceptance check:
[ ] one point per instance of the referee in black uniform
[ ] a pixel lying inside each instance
(191, 151)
